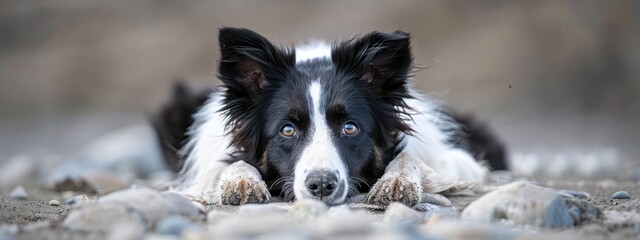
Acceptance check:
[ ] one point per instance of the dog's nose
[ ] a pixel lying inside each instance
(321, 183)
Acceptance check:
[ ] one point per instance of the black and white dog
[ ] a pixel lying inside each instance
(319, 122)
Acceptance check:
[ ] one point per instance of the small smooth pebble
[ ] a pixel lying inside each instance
(19, 193)
(398, 212)
(173, 225)
(576, 194)
(621, 195)
(54, 202)
(308, 209)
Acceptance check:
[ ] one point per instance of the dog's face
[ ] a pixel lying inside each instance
(321, 122)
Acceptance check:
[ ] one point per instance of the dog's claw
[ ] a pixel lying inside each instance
(243, 191)
(395, 188)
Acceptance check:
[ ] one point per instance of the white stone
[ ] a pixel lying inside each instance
(19, 193)
(308, 209)
(148, 202)
(102, 217)
(398, 212)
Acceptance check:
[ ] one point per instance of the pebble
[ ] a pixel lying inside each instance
(19, 193)
(148, 202)
(102, 217)
(436, 199)
(77, 200)
(184, 205)
(576, 194)
(54, 203)
(523, 204)
(575, 213)
(308, 209)
(621, 195)
(398, 212)
(249, 210)
(173, 225)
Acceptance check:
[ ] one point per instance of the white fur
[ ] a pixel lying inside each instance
(313, 50)
(208, 145)
(320, 154)
(430, 144)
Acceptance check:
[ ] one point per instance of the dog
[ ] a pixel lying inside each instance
(322, 122)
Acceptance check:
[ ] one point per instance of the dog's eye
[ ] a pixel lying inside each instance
(349, 128)
(288, 130)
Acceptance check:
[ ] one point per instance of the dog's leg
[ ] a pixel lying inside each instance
(241, 183)
(407, 177)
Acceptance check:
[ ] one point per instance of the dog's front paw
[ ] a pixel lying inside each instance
(395, 188)
(243, 190)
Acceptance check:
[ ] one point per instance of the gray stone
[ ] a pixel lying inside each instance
(54, 203)
(437, 199)
(79, 199)
(236, 227)
(248, 210)
(173, 225)
(398, 212)
(576, 194)
(336, 224)
(308, 209)
(621, 195)
(575, 213)
(102, 217)
(148, 202)
(521, 203)
(18, 193)
(126, 231)
(183, 204)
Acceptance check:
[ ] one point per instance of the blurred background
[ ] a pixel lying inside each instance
(557, 80)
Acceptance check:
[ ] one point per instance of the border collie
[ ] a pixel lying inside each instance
(321, 122)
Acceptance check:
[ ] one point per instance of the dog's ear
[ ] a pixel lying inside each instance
(249, 62)
(380, 59)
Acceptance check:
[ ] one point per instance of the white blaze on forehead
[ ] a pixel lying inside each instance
(315, 49)
(320, 153)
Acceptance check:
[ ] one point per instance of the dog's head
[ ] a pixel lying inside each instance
(321, 119)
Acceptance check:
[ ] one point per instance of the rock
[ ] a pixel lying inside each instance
(521, 203)
(621, 195)
(236, 227)
(340, 224)
(18, 193)
(126, 231)
(576, 194)
(308, 209)
(466, 230)
(339, 210)
(216, 216)
(436, 199)
(173, 225)
(183, 204)
(398, 212)
(76, 184)
(79, 199)
(575, 213)
(151, 204)
(102, 217)
(248, 210)
(54, 203)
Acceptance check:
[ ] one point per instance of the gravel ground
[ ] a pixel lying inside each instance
(36, 219)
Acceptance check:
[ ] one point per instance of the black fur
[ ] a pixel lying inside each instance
(173, 119)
